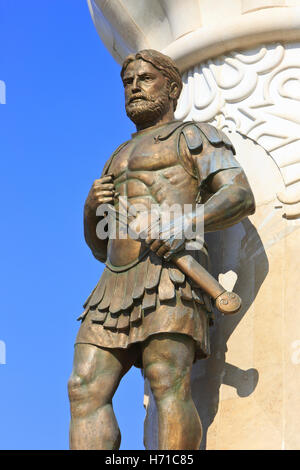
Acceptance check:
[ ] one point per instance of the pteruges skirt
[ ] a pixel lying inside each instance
(151, 297)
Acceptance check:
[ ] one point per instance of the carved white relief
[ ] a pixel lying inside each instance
(255, 92)
(193, 31)
(253, 5)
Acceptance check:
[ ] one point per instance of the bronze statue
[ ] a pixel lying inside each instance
(148, 309)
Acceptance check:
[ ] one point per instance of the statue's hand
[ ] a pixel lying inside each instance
(166, 239)
(101, 192)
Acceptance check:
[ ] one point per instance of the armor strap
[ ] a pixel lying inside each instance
(111, 158)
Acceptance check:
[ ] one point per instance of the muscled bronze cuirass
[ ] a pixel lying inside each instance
(148, 170)
(164, 166)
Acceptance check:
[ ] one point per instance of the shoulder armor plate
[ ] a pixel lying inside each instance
(193, 137)
(215, 136)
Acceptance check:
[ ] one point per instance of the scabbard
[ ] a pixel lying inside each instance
(187, 264)
(226, 302)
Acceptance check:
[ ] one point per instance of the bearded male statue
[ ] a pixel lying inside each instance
(145, 311)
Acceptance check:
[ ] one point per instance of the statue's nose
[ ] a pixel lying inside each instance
(135, 85)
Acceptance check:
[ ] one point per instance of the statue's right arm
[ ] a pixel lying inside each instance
(101, 192)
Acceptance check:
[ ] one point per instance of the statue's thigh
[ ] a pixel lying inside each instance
(167, 360)
(100, 369)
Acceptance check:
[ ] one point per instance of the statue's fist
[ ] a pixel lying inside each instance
(101, 192)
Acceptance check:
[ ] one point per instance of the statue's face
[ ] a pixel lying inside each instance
(146, 93)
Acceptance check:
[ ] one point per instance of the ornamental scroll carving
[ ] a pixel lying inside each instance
(257, 93)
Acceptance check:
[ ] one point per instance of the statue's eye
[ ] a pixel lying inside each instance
(127, 81)
(146, 78)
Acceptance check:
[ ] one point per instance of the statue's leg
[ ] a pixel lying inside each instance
(167, 361)
(95, 377)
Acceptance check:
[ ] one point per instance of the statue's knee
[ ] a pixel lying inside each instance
(84, 392)
(90, 388)
(166, 380)
(75, 387)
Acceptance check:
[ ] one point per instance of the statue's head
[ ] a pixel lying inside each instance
(152, 86)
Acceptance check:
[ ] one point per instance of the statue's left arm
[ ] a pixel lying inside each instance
(231, 200)
(223, 185)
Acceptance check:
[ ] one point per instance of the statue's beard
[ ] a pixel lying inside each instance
(148, 110)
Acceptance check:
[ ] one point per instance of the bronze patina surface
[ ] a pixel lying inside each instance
(151, 308)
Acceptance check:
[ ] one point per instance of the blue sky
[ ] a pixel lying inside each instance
(63, 117)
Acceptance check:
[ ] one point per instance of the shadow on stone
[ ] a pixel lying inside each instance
(238, 249)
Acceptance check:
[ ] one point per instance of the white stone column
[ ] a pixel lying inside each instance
(240, 61)
(247, 392)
